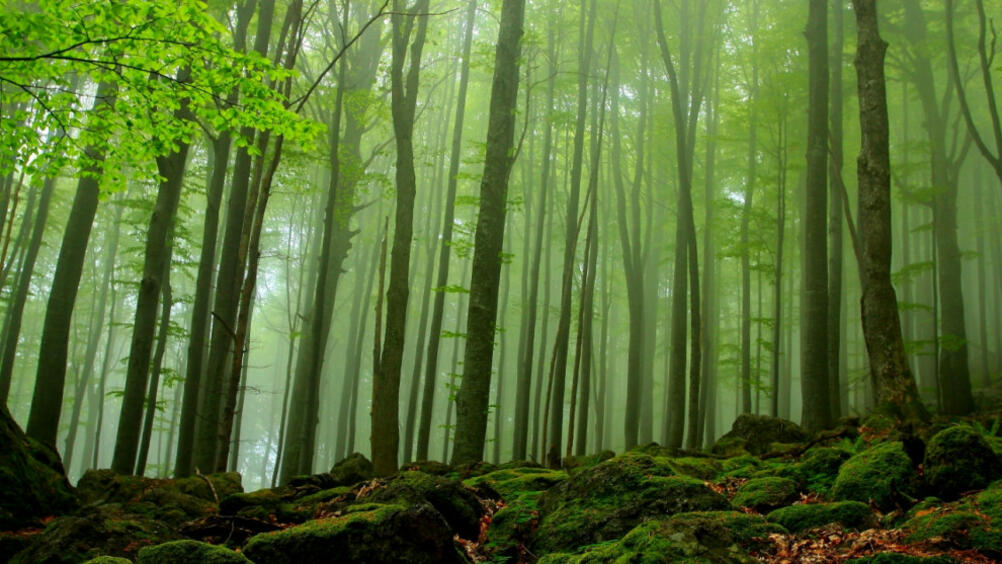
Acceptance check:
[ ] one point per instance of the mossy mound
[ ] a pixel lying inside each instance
(102, 531)
(898, 558)
(849, 514)
(744, 466)
(711, 537)
(108, 560)
(959, 459)
(189, 552)
(352, 469)
(817, 469)
(759, 433)
(458, 504)
(171, 501)
(879, 474)
(368, 533)
(766, 494)
(696, 467)
(574, 464)
(511, 529)
(514, 482)
(435, 467)
(956, 528)
(606, 501)
(32, 480)
(267, 505)
(989, 502)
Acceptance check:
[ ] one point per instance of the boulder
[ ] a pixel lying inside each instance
(33, 483)
(817, 469)
(513, 483)
(366, 533)
(606, 501)
(458, 504)
(758, 433)
(849, 514)
(954, 527)
(959, 459)
(189, 552)
(882, 474)
(766, 494)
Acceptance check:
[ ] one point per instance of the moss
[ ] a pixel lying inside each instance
(373, 533)
(879, 474)
(850, 514)
(574, 464)
(513, 483)
(458, 504)
(32, 480)
(958, 528)
(713, 536)
(189, 552)
(764, 494)
(759, 432)
(265, 505)
(225, 483)
(742, 466)
(511, 528)
(606, 501)
(108, 560)
(989, 502)
(819, 467)
(322, 497)
(959, 459)
(730, 446)
(696, 467)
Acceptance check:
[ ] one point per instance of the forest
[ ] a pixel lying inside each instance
(500, 281)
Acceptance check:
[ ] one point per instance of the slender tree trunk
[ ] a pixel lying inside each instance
(881, 326)
(158, 356)
(816, 412)
(835, 189)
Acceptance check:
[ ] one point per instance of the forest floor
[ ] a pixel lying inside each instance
(767, 491)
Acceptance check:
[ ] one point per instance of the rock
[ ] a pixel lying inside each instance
(189, 552)
(606, 501)
(33, 483)
(955, 528)
(574, 464)
(108, 560)
(744, 466)
(367, 533)
(511, 529)
(766, 494)
(277, 504)
(881, 473)
(517, 481)
(959, 459)
(695, 467)
(104, 530)
(458, 505)
(759, 432)
(849, 514)
(171, 501)
(713, 536)
(351, 470)
(433, 467)
(819, 467)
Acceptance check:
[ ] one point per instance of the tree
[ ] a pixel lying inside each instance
(881, 324)
(472, 398)
(814, 355)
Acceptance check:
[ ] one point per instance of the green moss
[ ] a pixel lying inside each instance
(959, 459)
(514, 482)
(458, 504)
(108, 560)
(713, 536)
(960, 528)
(850, 514)
(322, 496)
(878, 474)
(819, 467)
(743, 466)
(990, 503)
(696, 467)
(264, 505)
(513, 525)
(32, 481)
(764, 494)
(189, 552)
(374, 533)
(759, 433)
(730, 446)
(225, 483)
(606, 501)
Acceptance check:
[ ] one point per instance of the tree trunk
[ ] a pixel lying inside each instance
(881, 326)
(835, 189)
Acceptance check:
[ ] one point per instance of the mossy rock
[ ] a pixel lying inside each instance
(879, 474)
(266, 505)
(766, 494)
(511, 528)
(606, 501)
(898, 558)
(11, 543)
(189, 552)
(517, 481)
(574, 464)
(353, 469)
(369, 533)
(711, 537)
(818, 468)
(989, 502)
(696, 467)
(458, 504)
(433, 467)
(100, 531)
(759, 432)
(959, 459)
(744, 466)
(225, 483)
(962, 529)
(32, 480)
(108, 560)
(730, 447)
(849, 514)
